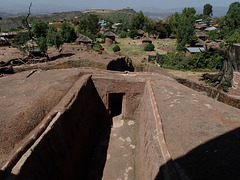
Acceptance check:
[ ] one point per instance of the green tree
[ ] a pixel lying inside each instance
(116, 48)
(68, 33)
(24, 23)
(82, 25)
(109, 25)
(92, 24)
(122, 34)
(207, 10)
(183, 27)
(232, 18)
(45, 35)
(138, 21)
(158, 28)
(214, 35)
(233, 37)
(132, 33)
(149, 47)
(39, 28)
(54, 37)
(42, 43)
(21, 38)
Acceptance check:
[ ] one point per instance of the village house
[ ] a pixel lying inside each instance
(110, 38)
(85, 41)
(140, 34)
(115, 26)
(210, 28)
(193, 50)
(200, 26)
(202, 35)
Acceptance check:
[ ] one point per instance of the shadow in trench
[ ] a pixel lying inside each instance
(115, 104)
(98, 156)
(217, 159)
(6, 175)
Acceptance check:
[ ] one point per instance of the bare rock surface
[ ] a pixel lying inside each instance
(25, 99)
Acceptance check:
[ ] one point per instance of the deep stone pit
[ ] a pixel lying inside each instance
(75, 143)
(122, 125)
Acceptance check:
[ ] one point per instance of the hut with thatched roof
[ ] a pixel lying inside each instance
(202, 35)
(146, 41)
(198, 43)
(110, 38)
(85, 41)
(140, 33)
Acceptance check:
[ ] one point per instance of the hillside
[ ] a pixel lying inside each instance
(125, 15)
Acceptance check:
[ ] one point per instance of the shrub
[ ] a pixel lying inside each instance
(123, 34)
(21, 38)
(173, 59)
(97, 45)
(209, 60)
(199, 61)
(149, 47)
(132, 34)
(116, 48)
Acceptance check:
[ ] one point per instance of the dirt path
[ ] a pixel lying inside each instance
(120, 163)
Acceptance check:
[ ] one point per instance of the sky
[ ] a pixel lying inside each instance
(111, 4)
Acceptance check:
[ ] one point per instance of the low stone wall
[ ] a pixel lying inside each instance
(234, 53)
(60, 65)
(152, 152)
(213, 93)
(63, 149)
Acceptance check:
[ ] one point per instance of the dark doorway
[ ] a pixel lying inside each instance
(115, 103)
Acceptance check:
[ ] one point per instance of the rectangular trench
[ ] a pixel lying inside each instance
(99, 132)
(121, 155)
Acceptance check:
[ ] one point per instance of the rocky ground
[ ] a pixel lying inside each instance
(25, 99)
(202, 134)
(68, 52)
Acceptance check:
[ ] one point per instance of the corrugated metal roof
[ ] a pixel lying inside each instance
(195, 49)
(210, 29)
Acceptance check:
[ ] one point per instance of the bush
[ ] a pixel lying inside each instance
(97, 45)
(178, 60)
(123, 34)
(116, 48)
(173, 59)
(132, 34)
(207, 60)
(149, 47)
(21, 38)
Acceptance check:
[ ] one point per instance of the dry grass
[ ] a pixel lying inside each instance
(100, 11)
(133, 49)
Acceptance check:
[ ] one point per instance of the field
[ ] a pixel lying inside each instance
(133, 49)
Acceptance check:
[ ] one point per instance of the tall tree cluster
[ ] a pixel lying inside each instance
(138, 21)
(89, 25)
(182, 26)
(207, 10)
